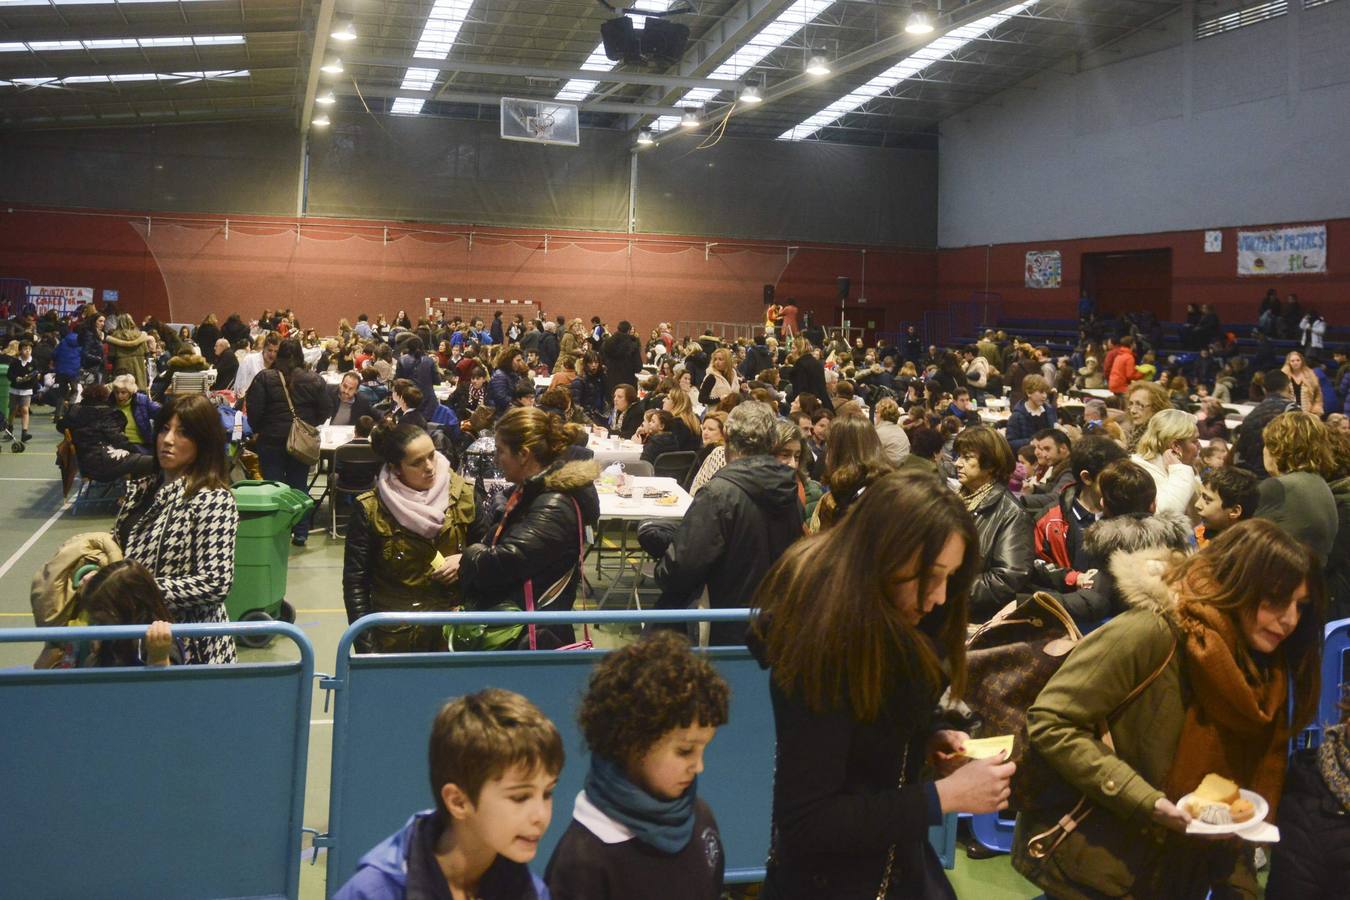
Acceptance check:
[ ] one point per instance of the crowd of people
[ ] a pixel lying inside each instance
(873, 503)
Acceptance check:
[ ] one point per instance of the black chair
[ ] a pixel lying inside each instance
(674, 464)
(355, 468)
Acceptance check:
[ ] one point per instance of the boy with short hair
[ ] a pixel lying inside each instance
(494, 764)
(1227, 495)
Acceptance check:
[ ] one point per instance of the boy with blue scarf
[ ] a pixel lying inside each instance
(494, 762)
(639, 828)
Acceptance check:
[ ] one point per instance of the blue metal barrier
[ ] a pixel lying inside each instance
(385, 705)
(178, 782)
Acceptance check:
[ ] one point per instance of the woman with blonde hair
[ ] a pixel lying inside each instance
(1297, 497)
(855, 677)
(712, 456)
(894, 441)
(721, 379)
(677, 403)
(1166, 450)
(1213, 669)
(1303, 382)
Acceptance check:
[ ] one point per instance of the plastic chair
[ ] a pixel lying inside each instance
(355, 468)
(993, 831)
(674, 464)
(190, 383)
(1335, 671)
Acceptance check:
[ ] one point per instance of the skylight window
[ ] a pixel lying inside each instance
(752, 53)
(1234, 19)
(580, 88)
(123, 43)
(438, 37)
(907, 68)
(87, 2)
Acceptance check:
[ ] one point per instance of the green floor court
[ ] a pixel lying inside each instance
(35, 521)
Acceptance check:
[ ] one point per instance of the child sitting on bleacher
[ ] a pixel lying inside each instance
(120, 593)
(639, 828)
(495, 760)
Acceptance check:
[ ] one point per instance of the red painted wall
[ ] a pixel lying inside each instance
(1197, 277)
(180, 267)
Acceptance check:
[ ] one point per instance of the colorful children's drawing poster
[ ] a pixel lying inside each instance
(1045, 269)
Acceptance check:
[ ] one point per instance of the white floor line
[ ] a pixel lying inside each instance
(29, 479)
(320, 721)
(18, 554)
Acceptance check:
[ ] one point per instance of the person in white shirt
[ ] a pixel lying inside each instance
(1169, 446)
(253, 363)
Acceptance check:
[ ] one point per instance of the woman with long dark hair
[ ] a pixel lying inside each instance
(277, 396)
(1212, 670)
(180, 523)
(855, 684)
(853, 460)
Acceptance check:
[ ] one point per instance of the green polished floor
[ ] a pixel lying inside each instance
(36, 521)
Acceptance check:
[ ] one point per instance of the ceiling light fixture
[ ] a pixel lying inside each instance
(321, 121)
(750, 94)
(689, 120)
(332, 65)
(645, 138)
(919, 21)
(345, 31)
(326, 100)
(818, 65)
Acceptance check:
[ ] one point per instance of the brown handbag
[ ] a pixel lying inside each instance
(1009, 660)
(303, 441)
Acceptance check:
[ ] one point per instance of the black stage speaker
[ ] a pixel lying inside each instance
(842, 281)
(768, 295)
(663, 40)
(620, 41)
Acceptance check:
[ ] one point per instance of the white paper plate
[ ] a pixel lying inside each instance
(1258, 818)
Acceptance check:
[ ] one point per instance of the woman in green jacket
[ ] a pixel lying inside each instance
(1214, 642)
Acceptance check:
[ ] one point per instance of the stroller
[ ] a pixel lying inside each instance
(6, 429)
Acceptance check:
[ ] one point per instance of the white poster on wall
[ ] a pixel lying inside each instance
(1213, 241)
(1283, 251)
(65, 300)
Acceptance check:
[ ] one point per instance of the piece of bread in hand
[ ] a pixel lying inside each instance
(1217, 789)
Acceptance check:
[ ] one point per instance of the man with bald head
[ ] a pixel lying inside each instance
(227, 366)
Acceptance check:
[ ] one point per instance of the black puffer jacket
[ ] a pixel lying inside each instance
(739, 524)
(1127, 541)
(622, 355)
(268, 414)
(1005, 530)
(97, 428)
(1313, 857)
(538, 543)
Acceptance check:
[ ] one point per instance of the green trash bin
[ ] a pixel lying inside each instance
(268, 510)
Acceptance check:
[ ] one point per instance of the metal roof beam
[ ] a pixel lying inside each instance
(617, 76)
(321, 30)
(494, 99)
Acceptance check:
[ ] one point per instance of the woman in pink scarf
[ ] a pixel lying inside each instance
(400, 538)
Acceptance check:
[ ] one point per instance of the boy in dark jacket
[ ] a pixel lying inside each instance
(492, 808)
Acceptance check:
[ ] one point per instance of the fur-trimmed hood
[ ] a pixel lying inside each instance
(1136, 531)
(1139, 577)
(570, 476)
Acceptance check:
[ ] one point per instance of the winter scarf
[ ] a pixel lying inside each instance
(1333, 759)
(1237, 722)
(666, 825)
(421, 512)
(973, 500)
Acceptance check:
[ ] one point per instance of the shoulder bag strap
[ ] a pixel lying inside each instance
(285, 390)
(1042, 845)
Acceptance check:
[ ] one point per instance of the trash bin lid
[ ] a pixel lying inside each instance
(262, 496)
(4, 368)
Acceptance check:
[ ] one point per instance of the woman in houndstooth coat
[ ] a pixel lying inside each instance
(181, 522)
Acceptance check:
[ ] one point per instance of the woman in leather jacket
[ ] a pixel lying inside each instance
(983, 463)
(534, 534)
(400, 539)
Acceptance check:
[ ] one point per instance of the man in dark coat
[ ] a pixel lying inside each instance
(1250, 444)
(740, 523)
(622, 356)
(757, 358)
(808, 376)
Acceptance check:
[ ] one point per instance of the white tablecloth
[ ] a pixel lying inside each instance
(541, 382)
(332, 377)
(442, 391)
(333, 436)
(612, 506)
(612, 450)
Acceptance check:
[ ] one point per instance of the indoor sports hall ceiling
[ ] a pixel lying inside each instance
(76, 63)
